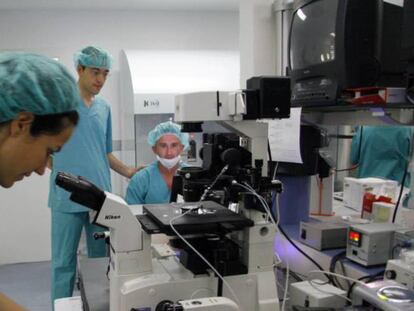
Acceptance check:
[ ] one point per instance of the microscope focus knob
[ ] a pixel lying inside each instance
(390, 274)
(101, 235)
(166, 305)
(231, 157)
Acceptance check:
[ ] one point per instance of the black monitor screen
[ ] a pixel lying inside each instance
(407, 43)
(312, 39)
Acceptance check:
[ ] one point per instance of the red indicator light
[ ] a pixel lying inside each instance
(354, 236)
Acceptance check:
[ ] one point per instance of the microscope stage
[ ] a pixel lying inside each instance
(211, 217)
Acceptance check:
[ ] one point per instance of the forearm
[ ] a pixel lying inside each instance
(8, 304)
(118, 166)
(49, 163)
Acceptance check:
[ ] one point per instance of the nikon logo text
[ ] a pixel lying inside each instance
(111, 217)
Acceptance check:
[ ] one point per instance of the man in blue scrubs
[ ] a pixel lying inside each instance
(382, 151)
(153, 184)
(89, 154)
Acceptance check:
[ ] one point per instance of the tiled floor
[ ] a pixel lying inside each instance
(28, 284)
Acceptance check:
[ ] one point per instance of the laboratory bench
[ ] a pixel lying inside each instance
(94, 283)
(300, 264)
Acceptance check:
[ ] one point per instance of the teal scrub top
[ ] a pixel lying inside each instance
(382, 151)
(148, 187)
(85, 154)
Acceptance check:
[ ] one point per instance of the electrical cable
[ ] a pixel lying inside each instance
(275, 170)
(200, 290)
(353, 167)
(261, 199)
(394, 249)
(397, 205)
(249, 188)
(340, 136)
(332, 265)
(306, 255)
(207, 190)
(286, 286)
(378, 275)
(275, 202)
(287, 261)
(410, 94)
(297, 276)
(224, 169)
(301, 251)
(201, 256)
(315, 285)
(340, 276)
(275, 223)
(341, 261)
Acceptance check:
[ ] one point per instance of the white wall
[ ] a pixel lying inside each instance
(257, 39)
(60, 33)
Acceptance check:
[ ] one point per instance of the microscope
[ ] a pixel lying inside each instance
(222, 235)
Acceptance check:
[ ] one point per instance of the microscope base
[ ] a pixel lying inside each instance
(169, 280)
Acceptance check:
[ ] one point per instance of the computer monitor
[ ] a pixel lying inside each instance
(341, 44)
(407, 40)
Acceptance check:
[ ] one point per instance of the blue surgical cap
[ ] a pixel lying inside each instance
(36, 84)
(167, 128)
(93, 56)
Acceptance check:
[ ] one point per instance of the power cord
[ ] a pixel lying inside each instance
(397, 205)
(370, 278)
(332, 265)
(355, 281)
(200, 255)
(276, 224)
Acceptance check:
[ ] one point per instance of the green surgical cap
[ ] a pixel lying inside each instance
(167, 128)
(36, 84)
(93, 56)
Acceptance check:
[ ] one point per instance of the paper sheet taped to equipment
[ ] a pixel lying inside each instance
(284, 138)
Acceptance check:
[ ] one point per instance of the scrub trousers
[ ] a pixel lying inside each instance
(66, 233)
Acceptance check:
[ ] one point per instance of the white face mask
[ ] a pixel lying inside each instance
(169, 163)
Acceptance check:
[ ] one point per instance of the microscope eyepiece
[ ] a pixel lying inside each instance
(82, 191)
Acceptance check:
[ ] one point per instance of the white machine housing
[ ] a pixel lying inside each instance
(323, 235)
(210, 304)
(305, 295)
(368, 296)
(400, 272)
(371, 244)
(138, 280)
(227, 108)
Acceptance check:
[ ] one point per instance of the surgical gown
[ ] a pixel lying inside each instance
(148, 187)
(85, 154)
(382, 151)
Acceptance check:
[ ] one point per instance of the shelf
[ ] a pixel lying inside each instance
(342, 114)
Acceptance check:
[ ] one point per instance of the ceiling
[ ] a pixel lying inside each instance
(176, 5)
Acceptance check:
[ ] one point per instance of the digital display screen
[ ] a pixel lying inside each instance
(312, 39)
(354, 237)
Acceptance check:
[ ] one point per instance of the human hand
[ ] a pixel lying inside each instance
(133, 170)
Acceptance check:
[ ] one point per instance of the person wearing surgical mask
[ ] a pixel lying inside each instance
(153, 184)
